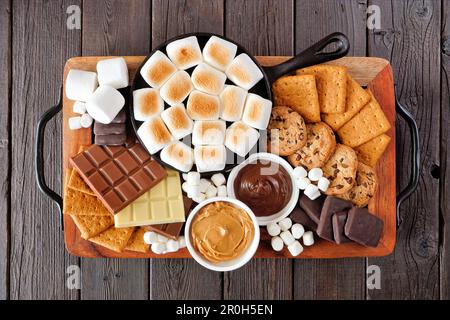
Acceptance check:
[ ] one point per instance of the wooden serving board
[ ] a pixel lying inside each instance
(376, 73)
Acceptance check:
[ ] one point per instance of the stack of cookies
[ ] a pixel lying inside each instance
(324, 119)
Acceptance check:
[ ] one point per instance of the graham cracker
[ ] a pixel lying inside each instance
(113, 238)
(298, 92)
(80, 203)
(90, 226)
(331, 84)
(136, 242)
(372, 150)
(357, 98)
(77, 183)
(367, 124)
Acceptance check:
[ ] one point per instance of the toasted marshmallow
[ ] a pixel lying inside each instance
(257, 111)
(219, 52)
(178, 155)
(177, 120)
(210, 158)
(207, 79)
(232, 101)
(244, 72)
(154, 134)
(177, 88)
(185, 53)
(241, 138)
(203, 106)
(157, 70)
(147, 103)
(208, 132)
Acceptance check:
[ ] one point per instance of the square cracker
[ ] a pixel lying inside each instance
(80, 203)
(113, 238)
(331, 86)
(300, 93)
(367, 124)
(136, 242)
(357, 98)
(372, 150)
(77, 183)
(90, 226)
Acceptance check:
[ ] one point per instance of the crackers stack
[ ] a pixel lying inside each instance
(324, 119)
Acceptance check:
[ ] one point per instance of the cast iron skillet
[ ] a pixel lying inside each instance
(313, 55)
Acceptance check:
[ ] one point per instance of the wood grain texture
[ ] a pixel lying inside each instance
(5, 112)
(263, 28)
(444, 173)
(104, 34)
(38, 257)
(330, 279)
(184, 278)
(173, 17)
(409, 38)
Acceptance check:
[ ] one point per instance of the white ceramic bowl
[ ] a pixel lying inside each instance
(263, 221)
(225, 265)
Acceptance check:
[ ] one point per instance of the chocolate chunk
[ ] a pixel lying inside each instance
(300, 216)
(331, 205)
(107, 129)
(339, 219)
(312, 208)
(110, 140)
(363, 227)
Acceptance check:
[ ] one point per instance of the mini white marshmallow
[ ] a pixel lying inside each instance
(204, 184)
(193, 178)
(104, 104)
(315, 174)
(219, 52)
(200, 198)
(184, 175)
(285, 224)
(193, 191)
(323, 184)
(172, 245)
(185, 53)
(300, 172)
(113, 72)
(86, 120)
(80, 84)
(74, 123)
(185, 186)
(218, 179)
(181, 242)
(222, 191)
(273, 229)
(244, 72)
(303, 183)
(312, 192)
(277, 243)
(150, 237)
(287, 237)
(162, 239)
(211, 191)
(297, 231)
(159, 248)
(308, 238)
(295, 248)
(79, 107)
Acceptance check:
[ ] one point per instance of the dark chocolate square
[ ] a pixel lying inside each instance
(312, 208)
(331, 205)
(298, 215)
(339, 219)
(363, 227)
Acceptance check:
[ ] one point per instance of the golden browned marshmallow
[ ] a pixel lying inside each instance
(177, 120)
(241, 138)
(157, 70)
(177, 88)
(232, 101)
(154, 134)
(147, 103)
(210, 158)
(219, 52)
(185, 53)
(244, 72)
(203, 106)
(209, 132)
(178, 155)
(207, 79)
(257, 111)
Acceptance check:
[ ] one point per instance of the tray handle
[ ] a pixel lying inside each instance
(415, 156)
(39, 158)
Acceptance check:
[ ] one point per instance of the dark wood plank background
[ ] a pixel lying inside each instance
(35, 43)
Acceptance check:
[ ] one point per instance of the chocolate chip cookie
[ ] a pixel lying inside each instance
(286, 131)
(364, 188)
(320, 145)
(340, 169)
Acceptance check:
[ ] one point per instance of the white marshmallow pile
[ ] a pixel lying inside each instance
(201, 103)
(284, 233)
(95, 94)
(200, 189)
(305, 181)
(160, 244)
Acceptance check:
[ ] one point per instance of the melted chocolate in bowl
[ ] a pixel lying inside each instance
(265, 186)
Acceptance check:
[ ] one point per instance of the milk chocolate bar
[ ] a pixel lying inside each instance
(363, 227)
(118, 175)
(298, 215)
(313, 208)
(331, 205)
(339, 219)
